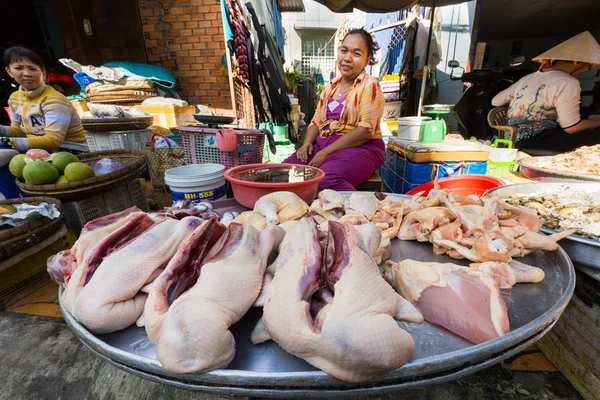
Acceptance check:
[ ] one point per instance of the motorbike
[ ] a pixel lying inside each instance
(475, 103)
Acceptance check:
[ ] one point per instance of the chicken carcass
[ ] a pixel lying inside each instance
(364, 203)
(462, 300)
(278, 207)
(111, 301)
(393, 206)
(507, 274)
(332, 214)
(352, 335)
(192, 334)
(253, 218)
(418, 225)
(331, 200)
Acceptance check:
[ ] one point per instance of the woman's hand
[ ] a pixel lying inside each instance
(318, 159)
(303, 152)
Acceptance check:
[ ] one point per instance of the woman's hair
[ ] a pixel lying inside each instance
(372, 45)
(17, 53)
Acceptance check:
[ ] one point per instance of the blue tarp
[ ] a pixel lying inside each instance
(159, 75)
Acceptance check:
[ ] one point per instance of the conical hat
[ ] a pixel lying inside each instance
(582, 48)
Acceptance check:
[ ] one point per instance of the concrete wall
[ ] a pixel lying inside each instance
(318, 20)
(186, 37)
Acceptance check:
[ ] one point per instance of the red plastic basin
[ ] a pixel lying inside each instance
(463, 185)
(247, 192)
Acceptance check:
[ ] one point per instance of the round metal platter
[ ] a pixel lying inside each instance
(534, 172)
(581, 249)
(266, 370)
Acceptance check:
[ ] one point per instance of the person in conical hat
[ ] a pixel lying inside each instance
(545, 105)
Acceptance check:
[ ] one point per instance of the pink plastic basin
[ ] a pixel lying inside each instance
(247, 190)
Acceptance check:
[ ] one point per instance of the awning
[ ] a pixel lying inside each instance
(382, 6)
(290, 5)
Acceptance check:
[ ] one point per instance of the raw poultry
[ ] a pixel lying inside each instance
(190, 324)
(325, 300)
(118, 258)
(461, 299)
(342, 311)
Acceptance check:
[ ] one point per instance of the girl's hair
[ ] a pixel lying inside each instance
(372, 45)
(17, 53)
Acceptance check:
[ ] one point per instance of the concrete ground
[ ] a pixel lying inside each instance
(41, 359)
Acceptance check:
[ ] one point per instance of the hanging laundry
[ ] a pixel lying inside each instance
(239, 41)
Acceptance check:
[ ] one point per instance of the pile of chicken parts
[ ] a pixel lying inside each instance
(312, 269)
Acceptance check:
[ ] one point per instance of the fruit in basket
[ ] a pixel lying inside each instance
(40, 173)
(37, 155)
(16, 165)
(6, 209)
(62, 179)
(78, 171)
(61, 159)
(106, 166)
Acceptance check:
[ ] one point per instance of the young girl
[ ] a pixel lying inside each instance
(344, 137)
(42, 118)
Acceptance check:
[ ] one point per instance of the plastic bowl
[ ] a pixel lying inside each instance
(463, 185)
(247, 192)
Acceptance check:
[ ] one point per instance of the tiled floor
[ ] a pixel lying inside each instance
(40, 301)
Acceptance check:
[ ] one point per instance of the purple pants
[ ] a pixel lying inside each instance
(346, 169)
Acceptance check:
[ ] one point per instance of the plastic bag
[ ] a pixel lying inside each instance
(28, 212)
(106, 166)
(163, 142)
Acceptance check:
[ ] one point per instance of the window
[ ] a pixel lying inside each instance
(313, 61)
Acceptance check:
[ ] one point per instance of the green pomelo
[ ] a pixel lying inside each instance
(61, 159)
(40, 173)
(17, 163)
(77, 171)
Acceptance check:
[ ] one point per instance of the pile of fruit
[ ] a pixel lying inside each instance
(38, 167)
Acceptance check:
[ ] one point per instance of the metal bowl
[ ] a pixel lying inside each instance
(266, 370)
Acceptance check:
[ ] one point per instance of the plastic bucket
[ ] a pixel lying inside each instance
(197, 182)
(410, 127)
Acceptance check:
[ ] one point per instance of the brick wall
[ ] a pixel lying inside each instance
(186, 37)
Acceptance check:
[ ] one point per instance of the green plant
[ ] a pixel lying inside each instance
(294, 79)
(319, 88)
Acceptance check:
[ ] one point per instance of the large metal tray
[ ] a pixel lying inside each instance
(582, 250)
(266, 370)
(547, 175)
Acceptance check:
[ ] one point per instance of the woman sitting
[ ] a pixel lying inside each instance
(544, 106)
(344, 137)
(42, 118)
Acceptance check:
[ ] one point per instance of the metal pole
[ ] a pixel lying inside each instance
(430, 32)
(426, 66)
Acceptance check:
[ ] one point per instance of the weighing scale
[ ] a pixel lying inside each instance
(434, 130)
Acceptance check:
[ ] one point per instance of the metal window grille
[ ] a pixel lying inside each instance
(318, 55)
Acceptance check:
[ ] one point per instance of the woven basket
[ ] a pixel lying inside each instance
(14, 240)
(162, 159)
(134, 161)
(116, 124)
